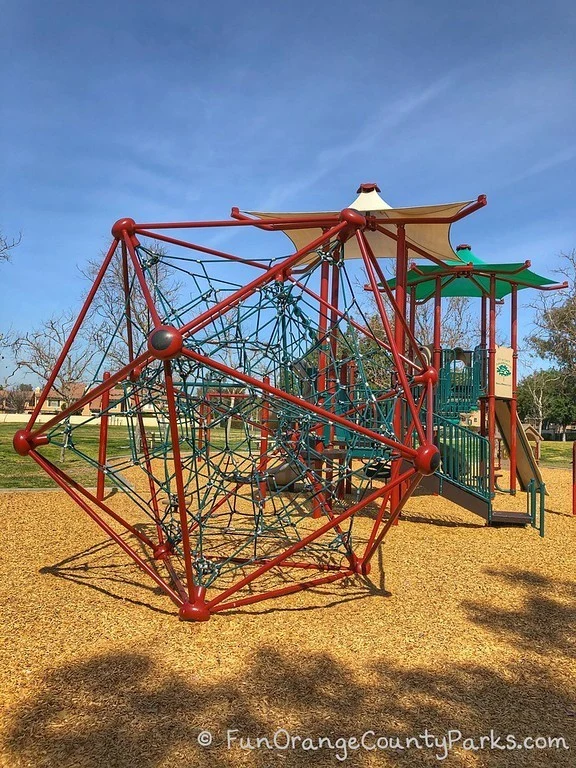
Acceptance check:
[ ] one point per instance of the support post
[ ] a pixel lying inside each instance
(400, 340)
(322, 378)
(438, 324)
(492, 381)
(102, 448)
(412, 318)
(483, 346)
(514, 401)
(264, 432)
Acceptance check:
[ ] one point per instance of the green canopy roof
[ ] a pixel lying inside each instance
(476, 282)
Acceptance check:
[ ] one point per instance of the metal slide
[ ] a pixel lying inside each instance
(526, 466)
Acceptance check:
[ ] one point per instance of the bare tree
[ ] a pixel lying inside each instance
(37, 352)
(6, 245)
(109, 304)
(459, 326)
(17, 398)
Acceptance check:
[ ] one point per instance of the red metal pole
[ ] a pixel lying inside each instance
(127, 304)
(492, 381)
(104, 403)
(294, 222)
(298, 587)
(395, 350)
(323, 326)
(264, 432)
(430, 411)
(271, 274)
(437, 324)
(412, 322)
(351, 376)
(514, 401)
(483, 346)
(333, 378)
(401, 279)
(142, 280)
(201, 249)
(399, 312)
(140, 418)
(72, 336)
(368, 499)
(181, 493)
(46, 466)
(400, 341)
(334, 297)
(322, 375)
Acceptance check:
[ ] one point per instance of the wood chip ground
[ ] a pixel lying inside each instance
(466, 628)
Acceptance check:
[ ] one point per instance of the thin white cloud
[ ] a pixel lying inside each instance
(387, 119)
(552, 161)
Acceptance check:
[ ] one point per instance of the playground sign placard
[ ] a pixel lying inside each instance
(503, 375)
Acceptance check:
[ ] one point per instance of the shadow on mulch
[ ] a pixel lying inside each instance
(545, 623)
(98, 568)
(127, 710)
(409, 517)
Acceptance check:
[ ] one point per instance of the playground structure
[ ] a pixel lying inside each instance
(285, 414)
(481, 380)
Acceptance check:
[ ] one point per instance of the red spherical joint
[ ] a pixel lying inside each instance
(430, 374)
(353, 217)
(121, 226)
(165, 342)
(135, 373)
(23, 442)
(197, 610)
(427, 459)
(354, 221)
(163, 552)
(362, 567)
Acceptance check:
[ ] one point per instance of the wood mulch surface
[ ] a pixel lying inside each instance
(466, 628)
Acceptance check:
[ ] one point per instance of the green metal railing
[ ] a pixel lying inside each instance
(465, 456)
(536, 504)
(462, 381)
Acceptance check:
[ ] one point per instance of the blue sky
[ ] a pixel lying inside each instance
(181, 110)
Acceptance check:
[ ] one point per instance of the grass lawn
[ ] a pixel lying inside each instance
(23, 472)
(556, 454)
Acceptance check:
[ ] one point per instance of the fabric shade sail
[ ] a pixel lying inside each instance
(427, 227)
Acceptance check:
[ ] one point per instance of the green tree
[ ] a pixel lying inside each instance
(561, 403)
(548, 397)
(555, 321)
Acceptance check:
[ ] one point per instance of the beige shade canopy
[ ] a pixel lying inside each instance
(433, 238)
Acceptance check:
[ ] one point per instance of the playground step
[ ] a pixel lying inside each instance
(511, 518)
(442, 486)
